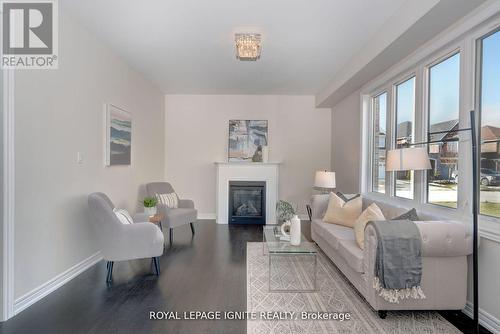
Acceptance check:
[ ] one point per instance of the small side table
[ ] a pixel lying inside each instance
(156, 219)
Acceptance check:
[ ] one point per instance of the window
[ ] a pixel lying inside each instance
(435, 98)
(490, 125)
(379, 142)
(444, 93)
(405, 133)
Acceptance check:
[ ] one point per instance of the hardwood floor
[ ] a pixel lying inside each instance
(206, 272)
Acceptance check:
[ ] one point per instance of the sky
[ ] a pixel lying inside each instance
(491, 81)
(444, 90)
(405, 100)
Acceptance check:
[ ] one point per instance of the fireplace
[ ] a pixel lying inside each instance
(247, 202)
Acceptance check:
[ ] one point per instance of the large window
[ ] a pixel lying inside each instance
(379, 142)
(430, 104)
(405, 133)
(444, 93)
(490, 125)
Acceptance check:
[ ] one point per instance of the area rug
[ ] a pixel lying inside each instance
(334, 295)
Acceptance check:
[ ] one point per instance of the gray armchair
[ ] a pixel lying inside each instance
(183, 215)
(121, 242)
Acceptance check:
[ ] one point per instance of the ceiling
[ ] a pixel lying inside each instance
(187, 46)
(415, 24)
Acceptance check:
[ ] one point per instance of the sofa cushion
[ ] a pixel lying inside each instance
(352, 254)
(371, 213)
(409, 215)
(343, 212)
(333, 233)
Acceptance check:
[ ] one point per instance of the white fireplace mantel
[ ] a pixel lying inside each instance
(246, 171)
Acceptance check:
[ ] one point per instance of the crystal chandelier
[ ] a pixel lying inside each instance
(247, 46)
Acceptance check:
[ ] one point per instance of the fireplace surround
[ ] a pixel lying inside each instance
(267, 173)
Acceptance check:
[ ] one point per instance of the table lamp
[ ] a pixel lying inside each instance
(324, 180)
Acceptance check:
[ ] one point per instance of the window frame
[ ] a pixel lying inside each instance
(445, 55)
(394, 120)
(372, 136)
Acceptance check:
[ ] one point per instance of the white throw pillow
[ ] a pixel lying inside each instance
(169, 200)
(342, 212)
(123, 216)
(371, 213)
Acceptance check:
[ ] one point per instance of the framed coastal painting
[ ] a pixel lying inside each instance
(118, 136)
(246, 139)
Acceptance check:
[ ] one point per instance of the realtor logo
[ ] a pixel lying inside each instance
(29, 39)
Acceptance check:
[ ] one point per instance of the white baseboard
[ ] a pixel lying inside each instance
(485, 319)
(206, 216)
(55, 283)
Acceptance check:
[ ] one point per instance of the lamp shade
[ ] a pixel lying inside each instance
(415, 158)
(324, 179)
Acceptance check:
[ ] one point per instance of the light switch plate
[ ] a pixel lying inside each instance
(79, 157)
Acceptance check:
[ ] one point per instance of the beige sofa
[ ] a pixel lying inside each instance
(445, 244)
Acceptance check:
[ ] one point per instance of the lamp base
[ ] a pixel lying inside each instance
(323, 190)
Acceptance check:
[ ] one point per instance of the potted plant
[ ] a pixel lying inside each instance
(150, 205)
(284, 210)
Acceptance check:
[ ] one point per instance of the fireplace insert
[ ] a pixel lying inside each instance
(247, 202)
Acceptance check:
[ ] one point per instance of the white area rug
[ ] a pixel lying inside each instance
(335, 295)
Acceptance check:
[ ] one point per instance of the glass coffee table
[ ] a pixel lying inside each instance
(291, 268)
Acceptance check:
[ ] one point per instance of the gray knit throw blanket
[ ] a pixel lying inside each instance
(398, 260)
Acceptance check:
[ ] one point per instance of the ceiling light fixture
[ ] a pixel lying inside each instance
(248, 46)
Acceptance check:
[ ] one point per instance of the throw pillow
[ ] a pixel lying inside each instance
(123, 216)
(169, 200)
(345, 198)
(371, 213)
(410, 215)
(343, 212)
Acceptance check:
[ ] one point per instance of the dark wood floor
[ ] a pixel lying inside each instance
(207, 273)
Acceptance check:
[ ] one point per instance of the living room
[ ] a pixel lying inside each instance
(250, 167)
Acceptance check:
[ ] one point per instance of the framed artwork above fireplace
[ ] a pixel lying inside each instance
(246, 140)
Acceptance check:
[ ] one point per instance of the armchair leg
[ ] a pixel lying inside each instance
(382, 314)
(192, 228)
(109, 276)
(156, 262)
(171, 236)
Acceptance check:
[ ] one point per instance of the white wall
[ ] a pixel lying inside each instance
(346, 143)
(58, 113)
(196, 136)
(489, 273)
